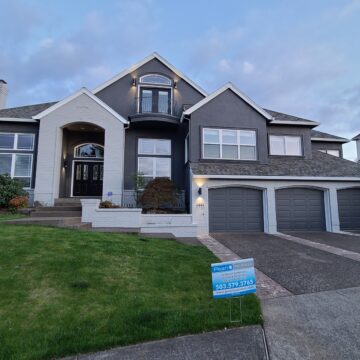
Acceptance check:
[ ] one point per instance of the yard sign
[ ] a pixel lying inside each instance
(233, 278)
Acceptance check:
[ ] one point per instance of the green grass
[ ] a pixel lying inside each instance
(10, 216)
(65, 291)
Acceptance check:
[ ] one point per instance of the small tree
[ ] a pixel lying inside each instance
(10, 189)
(160, 193)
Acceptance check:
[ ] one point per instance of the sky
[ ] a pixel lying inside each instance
(300, 57)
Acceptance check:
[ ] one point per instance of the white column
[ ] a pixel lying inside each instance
(358, 149)
(332, 210)
(270, 222)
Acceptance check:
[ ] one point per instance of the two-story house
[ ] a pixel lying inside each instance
(241, 167)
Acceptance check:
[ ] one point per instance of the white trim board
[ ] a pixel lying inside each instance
(330, 140)
(295, 122)
(294, 178)
(236, 91)
(82, 91)
(9, 119)
(150, 57)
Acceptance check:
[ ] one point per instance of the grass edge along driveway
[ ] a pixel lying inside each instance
(64, 292)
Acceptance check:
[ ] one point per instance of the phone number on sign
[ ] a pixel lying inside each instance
(234, 284)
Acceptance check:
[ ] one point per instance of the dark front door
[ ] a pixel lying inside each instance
(88, 178)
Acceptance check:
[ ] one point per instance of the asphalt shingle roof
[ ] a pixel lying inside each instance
(321, 164)
(25, 112)
(286, 117)
(322, 135)
(357, 137)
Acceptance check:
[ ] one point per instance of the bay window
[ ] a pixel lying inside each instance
(285, 145)
(229, 144)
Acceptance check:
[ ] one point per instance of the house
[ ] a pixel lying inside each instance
(241, 167)
(357, 139)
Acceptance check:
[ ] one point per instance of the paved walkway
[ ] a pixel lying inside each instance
(234, 344)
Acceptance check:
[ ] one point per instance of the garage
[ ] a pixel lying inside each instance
(349, 208)
(300, 209)
(235, 209)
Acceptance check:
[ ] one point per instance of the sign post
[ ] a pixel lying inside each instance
(233, 279)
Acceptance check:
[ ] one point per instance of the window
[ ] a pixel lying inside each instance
(18, 166)
(331, 152)
(89, 151)
(151, 166)
(229, 144)
(15, 141)
(155, 79)
(285, 145)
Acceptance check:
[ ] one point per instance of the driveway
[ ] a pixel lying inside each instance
(342, 241)
(298, 268)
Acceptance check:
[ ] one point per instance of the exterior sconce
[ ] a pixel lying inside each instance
(134, 82)
(199, 191)
(175, 84)
(65, 164)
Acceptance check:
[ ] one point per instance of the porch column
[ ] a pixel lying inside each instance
(332, 210)
(270, 221)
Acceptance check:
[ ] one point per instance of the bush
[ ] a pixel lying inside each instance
(160, 193)
(10, 189)
(107, 204)
(18, 202)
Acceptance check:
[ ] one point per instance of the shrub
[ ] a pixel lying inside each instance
(18, 202)
(107, 204)
(160, 193)
(10, 189)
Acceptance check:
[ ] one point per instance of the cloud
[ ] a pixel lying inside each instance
(349, 9)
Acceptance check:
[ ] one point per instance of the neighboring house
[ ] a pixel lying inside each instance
(240, 167)
(357, 139)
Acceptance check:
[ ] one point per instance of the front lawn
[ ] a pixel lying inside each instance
(65, 291)
(10, 216)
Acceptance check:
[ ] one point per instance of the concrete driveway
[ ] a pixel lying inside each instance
(298, 268)
(342, 241)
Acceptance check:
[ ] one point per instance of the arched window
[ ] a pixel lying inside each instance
(89, 151)
(155, 79)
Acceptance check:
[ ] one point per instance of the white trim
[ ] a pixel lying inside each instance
(88, 143)
(295, 122)
(299, 178)
(155, 74)
(150, 57)
(330, 140)
(82, 91)
(9, 119)
(235, 90)
(72, 175)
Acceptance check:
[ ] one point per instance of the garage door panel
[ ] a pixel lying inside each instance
(300, 209)
(235, 209)
(349, 209)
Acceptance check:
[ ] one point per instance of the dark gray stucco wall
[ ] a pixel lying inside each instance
(70, 140)
(177, 136)
(227, 111)
(302, 131)
(31, 128)
(121, 95)
(327, 145)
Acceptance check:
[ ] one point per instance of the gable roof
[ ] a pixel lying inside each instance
(286, 119)
(321, 136)
(150, 57)
(236, 91)
(25, 112)
(357, 137)
(320, 166)
(82, 91)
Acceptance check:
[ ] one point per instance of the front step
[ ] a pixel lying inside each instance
(46, 221)
(54, 213)
(67, 202)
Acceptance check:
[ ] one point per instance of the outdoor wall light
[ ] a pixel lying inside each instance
(65, 164)
(199, 191)
(175, 84)
(134, 82)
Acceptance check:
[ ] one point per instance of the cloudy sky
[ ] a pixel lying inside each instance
(300, 57)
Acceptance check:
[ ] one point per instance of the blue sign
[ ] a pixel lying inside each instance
(233, 278)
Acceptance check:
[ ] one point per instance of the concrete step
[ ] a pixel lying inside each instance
(58, 208)
(67, 202)
(59, 214)
(46, 221)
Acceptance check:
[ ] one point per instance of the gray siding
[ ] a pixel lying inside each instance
(327, 145)
(227, 111)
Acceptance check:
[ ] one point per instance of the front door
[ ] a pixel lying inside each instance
(88, 178)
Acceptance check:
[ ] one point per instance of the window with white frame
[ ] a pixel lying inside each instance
(18, 166)
(285, 145)
(17, 141)
(331, 152)
(154, 158)
(229, 144)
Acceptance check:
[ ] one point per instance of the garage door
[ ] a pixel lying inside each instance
(235, 209)
(349, 209)
(299, 209)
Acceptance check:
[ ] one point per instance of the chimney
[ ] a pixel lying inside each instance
(3, 93)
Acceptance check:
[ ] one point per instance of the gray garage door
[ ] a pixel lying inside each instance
(349, 209)
(299, 209)
(235, 209)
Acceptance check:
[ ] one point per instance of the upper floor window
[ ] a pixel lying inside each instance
(285, 145)
(17, 141)
(89, 151)
(229, 144)
(155, 94)
(331, 152)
